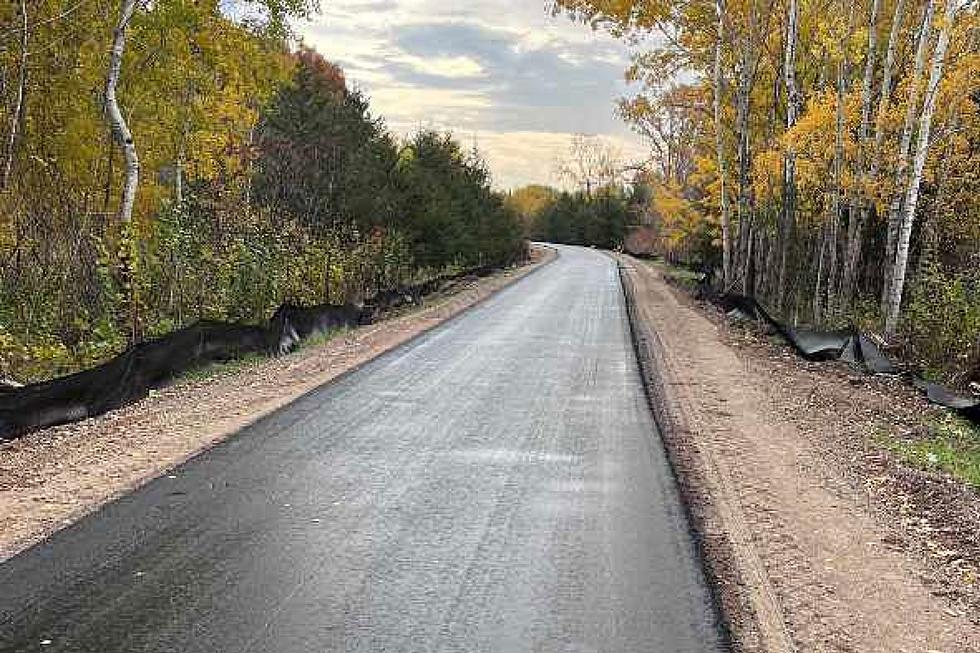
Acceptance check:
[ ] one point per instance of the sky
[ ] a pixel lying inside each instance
(502, 74)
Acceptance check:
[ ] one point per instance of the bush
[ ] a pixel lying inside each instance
(942, 324)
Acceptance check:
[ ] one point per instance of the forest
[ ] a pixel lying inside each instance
(822, 154)
(166, 162)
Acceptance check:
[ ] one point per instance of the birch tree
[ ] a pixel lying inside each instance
(726, 235)
(114, 115)
(789, 163)
(904, 148)
(857, 214)
(17, 114)
(897, 285)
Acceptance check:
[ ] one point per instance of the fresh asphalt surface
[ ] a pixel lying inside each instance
(495, 485)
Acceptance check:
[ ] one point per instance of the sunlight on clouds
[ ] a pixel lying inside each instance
(406, 107)
(503, 74)
(452, 67)
(516, 157)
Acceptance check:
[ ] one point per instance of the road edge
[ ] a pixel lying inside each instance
(751, 618)
(228, 428)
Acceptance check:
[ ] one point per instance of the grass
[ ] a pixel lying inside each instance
(322, 338)
(222, 368)
(952, 445)
(678, 275)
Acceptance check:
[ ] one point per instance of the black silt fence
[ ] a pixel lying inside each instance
(129, 377)
(848, 345)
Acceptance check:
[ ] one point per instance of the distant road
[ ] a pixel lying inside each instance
(496, 485)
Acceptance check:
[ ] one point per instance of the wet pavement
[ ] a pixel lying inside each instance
(495, 485)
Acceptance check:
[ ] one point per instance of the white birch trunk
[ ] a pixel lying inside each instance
(789, 161)
(747, 72)
(886, 88)
(120, 130)
(16, 116)
(726, 232)
(857, 213)
(835, 203)
(915, 178)
(904, 147)
(883, 103)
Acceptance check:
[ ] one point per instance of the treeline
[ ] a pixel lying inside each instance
(597, 219)
(828, 149)
(260, 177)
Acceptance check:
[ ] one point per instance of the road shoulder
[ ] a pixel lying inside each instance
(52, 478)
(792, 545)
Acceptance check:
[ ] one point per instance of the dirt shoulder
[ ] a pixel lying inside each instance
(812, 532)
(52, 478)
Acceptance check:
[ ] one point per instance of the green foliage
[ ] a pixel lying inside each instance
(448, 210)
(942, 322)
(814, 173)
(598, 219)
(221, 368)
(264, 179)
(528, 203)
(324, 159)
(680, 276)
(951, 444)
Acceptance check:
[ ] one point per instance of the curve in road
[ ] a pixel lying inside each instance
(495, 485)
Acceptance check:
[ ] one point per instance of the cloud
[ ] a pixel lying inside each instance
(521, 157)
(448, 67)
(520, 80)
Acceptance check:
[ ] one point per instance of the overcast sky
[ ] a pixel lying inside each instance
(502, 73)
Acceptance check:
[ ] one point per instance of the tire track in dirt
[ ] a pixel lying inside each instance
(798, 560)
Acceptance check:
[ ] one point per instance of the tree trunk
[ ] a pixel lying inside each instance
(744, 181)
(726, 236)
(120, 130)
(770, 264)
(789, 160)
(835, 202)
(124, 139)
(901, 168)
(886, 89)
(915, 178)
(17, 115)
(858, 212)
(759, 262)
(818, 286)
(748, 64)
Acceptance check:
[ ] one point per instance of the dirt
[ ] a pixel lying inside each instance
(52, 478)
(816, 539)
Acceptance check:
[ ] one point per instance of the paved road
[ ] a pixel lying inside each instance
(496, 485)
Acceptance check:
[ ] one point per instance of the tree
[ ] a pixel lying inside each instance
(590, 163)
(322, 157)
(829, 114)
(17, 115)
(953, 7)
(528, 202)
(793, 102)
(901, 170)
(261, 179)
(278, 10)
(718, 93)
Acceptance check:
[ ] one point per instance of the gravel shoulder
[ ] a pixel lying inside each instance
(816, 538)
(52, 478)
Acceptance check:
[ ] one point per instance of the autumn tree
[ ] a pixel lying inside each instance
(843, 123)
(261, 179)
